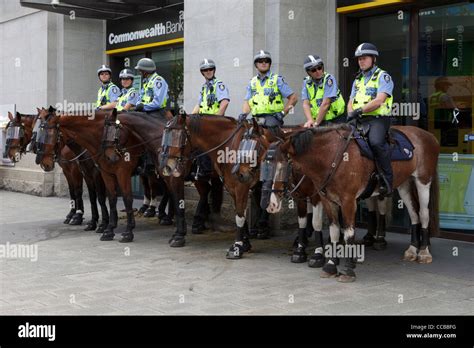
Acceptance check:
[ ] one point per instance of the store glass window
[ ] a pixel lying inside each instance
(445, 73)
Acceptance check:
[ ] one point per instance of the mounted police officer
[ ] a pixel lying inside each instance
(265, 99)
(266, 93)
(214, 97)
(371, 102)
(322, 100)
(213, 100)
(129, 97)
(108, 92)
(154, 88)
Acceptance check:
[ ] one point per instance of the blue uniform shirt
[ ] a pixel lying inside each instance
(133, 97)
(114, 92)
(330, 90)
(284, 88)
(385, 83)
(160, 93)
(221, 93)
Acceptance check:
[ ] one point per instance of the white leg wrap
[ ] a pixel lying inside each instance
(318, 217)
(334, 232)
(239, 221)
(302, 221)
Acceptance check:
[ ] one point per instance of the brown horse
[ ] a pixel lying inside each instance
(20, 132)
(87, 131)
(235, 150)
(341, 182)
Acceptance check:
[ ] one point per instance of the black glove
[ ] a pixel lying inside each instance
(139, 107)
(354, 114)
(279, 116)
(242, 117)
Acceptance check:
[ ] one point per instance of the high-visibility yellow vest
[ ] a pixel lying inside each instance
(148, 86)
(103, 94)
(265, 99)
(206, 93)
(316, 98)
(123, 99)
(367, 92)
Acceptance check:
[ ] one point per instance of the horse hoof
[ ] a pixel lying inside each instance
(198, 229)
(344, 278)
(76, 220)
(165, 220)
(91, 226)
(410, 254)
(424, 256)
(235, 252)
(142, 209)
(150, 212)
(316, 260)
(380, 244)
(126, 238)
(106, 236)
(101, 228)
(176, 242)
(329, 271)
(66, 221)
(368, 240)
(299, 255)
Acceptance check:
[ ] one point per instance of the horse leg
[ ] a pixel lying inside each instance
(380, 243)
(126, 187)
(424, 256)
(369, 238)
(309, 217)
(165, 219)
(202, 208)
(242, 241)
(177, 186)
(301, 241)
(405, 193)
(146, 196)
(263, 228)
(317, 259)
(217, 197)
(78, 217)
(329, 269)
(109, 181)
(349, 207)
(72, 195)
(101, 195)
(152, 196)
(91, 225)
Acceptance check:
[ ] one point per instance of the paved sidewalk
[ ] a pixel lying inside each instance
(75, 273)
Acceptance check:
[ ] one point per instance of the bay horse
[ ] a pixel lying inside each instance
(219, 136)
(340, 183)
(87, 131)
(20, 132)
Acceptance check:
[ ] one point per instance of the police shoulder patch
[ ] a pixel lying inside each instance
(329, 82)
(386, 77)
(115, 90)
(158, 83)
(133, 94)
(221, 86)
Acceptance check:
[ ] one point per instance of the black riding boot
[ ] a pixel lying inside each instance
(369, 238)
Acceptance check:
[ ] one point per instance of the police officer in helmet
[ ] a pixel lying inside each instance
(266, 93)
(154, 88)
(129, 97)
(108, 93)
(371, 102)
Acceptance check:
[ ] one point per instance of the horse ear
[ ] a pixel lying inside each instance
(18, 116)
(114, 113)
(38, 109)
(51, 109)
(10, 116)
(255, 125)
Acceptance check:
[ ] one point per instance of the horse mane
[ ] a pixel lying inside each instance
(301, 140)
(156, 117)
(195, 121)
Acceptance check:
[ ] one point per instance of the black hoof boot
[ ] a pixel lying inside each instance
(69, 216)
(177, 241)
(76, 219)
(150, 212)
(380, 244)
(316, 260)
(368, 240)
(235, 252)
(126, 237)
(143, 209)
(299, 255)
(198, 227)
(247, 246)
(91, 225)
(166, 221)
(329, 270)
(101, 227)
(107, 235)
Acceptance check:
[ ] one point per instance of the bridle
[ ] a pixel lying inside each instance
(47, 134)
(15, 130)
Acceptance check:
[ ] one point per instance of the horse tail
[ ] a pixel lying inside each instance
(433, 206)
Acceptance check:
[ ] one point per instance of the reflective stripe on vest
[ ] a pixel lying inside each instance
(434, 99)
(367, 92)
(265, 99)
(103, 95)
(148, 95)
(204, 107)
(123, 99)
(336, 108)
